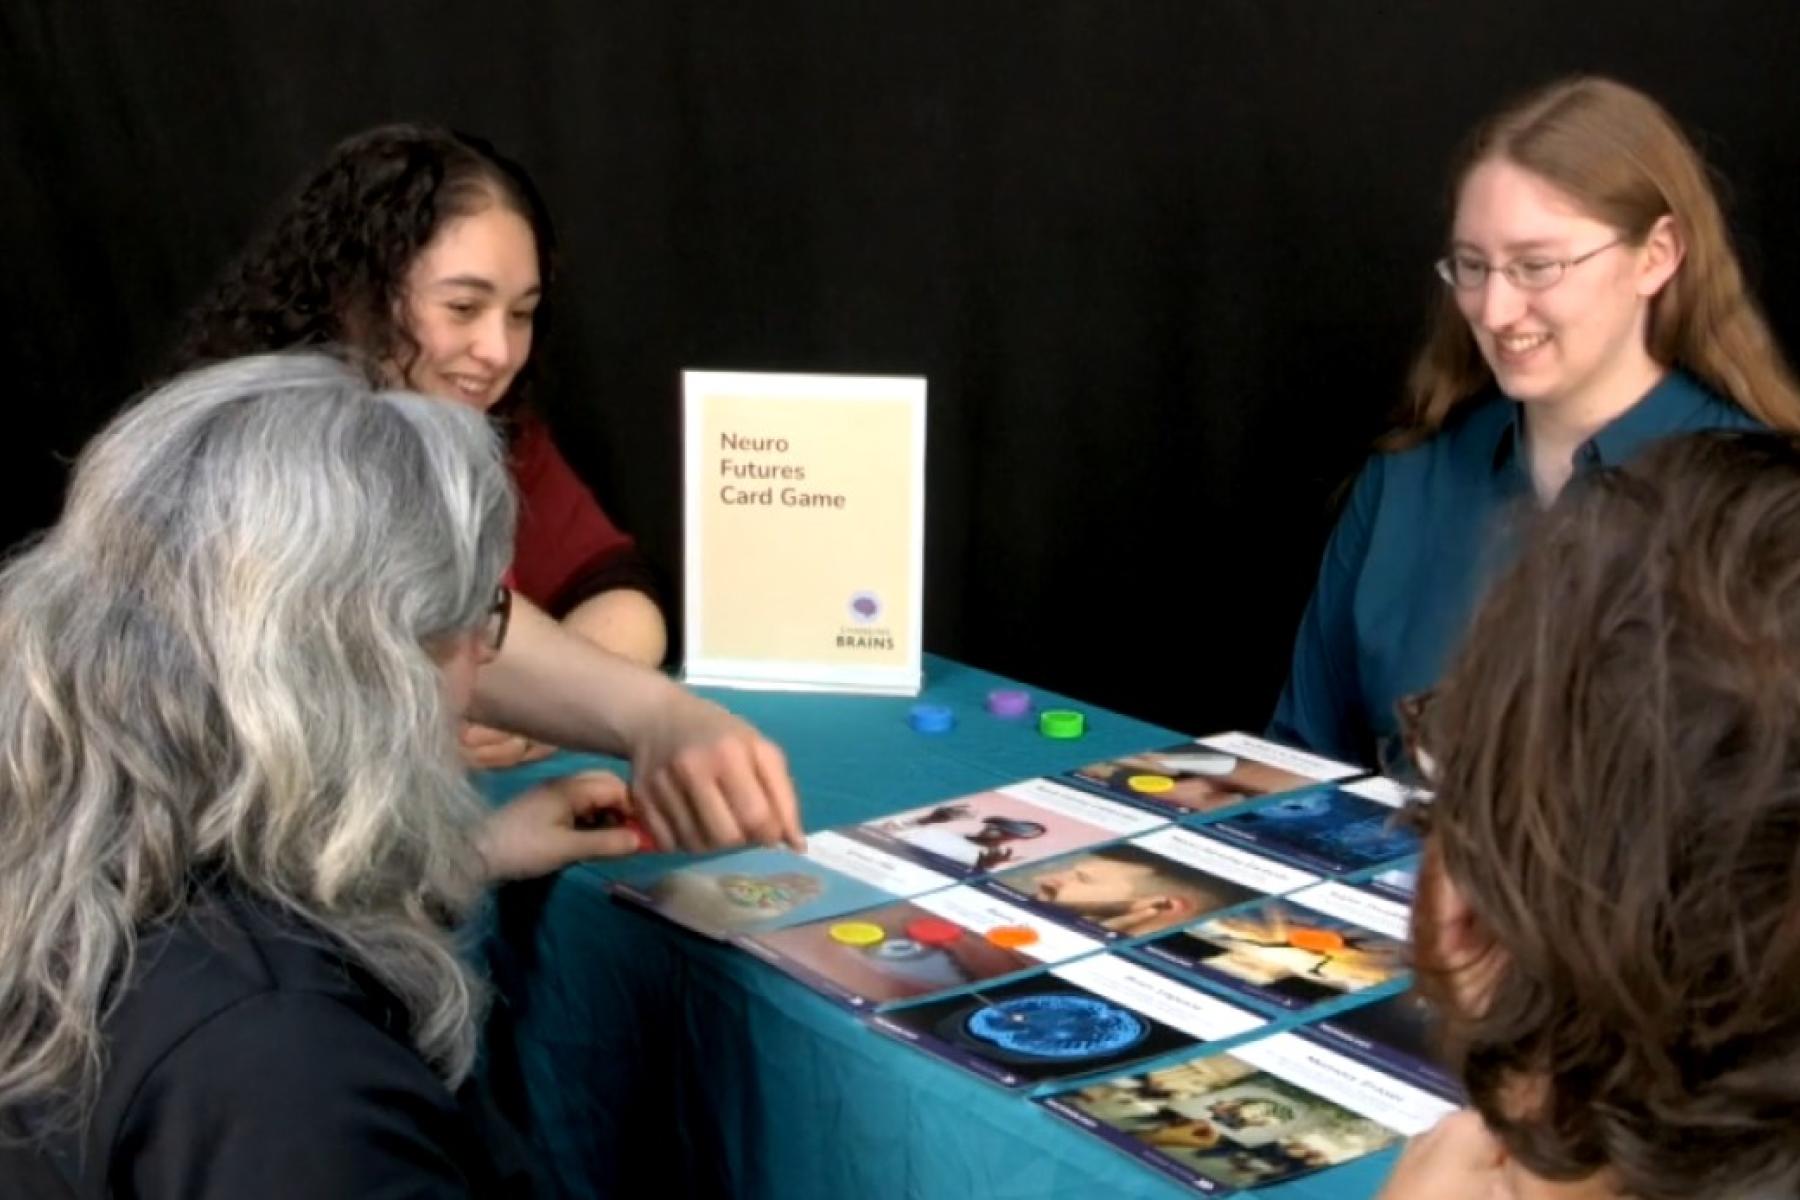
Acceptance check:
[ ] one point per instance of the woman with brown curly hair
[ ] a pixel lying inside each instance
(427, 254)
(1609, 911)
(1591, 304)
(431, 254)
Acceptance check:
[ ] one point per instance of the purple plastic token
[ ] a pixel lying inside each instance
(1007, 702)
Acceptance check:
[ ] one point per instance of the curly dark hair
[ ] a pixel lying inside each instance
(330, 267)
(1617, 754)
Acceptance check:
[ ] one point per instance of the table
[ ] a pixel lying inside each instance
(645, 1061)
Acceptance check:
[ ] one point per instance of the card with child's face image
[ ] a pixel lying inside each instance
(1208, 775)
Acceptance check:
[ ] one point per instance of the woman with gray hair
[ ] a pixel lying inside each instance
(235, 834)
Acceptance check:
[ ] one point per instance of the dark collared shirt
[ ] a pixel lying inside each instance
(1423, 532)
(251, 1057)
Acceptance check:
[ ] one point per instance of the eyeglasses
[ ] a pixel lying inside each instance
(1415, 814)
(1466, 273)
(498, 618)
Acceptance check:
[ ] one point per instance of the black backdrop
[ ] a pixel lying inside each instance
(1161, 260)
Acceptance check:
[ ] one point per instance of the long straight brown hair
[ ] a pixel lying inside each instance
(1626, 162)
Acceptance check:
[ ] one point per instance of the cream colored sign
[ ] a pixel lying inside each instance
(805, 511)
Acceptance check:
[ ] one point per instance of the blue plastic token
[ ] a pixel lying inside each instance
(931, 718)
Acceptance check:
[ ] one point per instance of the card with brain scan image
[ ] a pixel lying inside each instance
(1094, 1014)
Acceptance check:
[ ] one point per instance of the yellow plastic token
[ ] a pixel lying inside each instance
(1012, 937)
(1150, 785)
(857, 933)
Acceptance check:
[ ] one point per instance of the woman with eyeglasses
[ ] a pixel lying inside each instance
(1592, 304)
(432, 254)
(236, 839)
(1608, 912)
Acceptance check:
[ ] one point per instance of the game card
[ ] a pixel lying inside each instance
(1316, 945)
(1269, 1111)
(939, 942)
(1097, 1014)
(1337, 830)
(753, 890)
(1209, 774)
(1399, 883)
(1396, 1035)
(1009, 826)
(1144, 886)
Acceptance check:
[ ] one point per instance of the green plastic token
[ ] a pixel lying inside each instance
(1062, 723)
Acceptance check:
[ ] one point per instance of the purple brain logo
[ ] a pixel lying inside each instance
(865, 607)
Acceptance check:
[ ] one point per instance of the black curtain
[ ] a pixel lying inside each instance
(1163, 261)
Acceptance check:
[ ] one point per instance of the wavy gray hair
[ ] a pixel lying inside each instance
(216, 660)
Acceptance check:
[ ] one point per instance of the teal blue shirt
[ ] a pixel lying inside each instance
(1422, 533)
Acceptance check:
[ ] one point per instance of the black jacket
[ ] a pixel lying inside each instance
(250, 1057)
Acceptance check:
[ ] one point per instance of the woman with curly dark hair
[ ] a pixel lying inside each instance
(1609, 909)
(430, 255)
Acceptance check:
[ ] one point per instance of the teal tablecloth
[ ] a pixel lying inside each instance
(643, 1061)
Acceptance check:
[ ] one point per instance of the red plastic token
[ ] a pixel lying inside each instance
(933, 931)
(645, 843)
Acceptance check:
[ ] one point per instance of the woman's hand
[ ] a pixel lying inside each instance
(557, 823)
(485, 748)
(704, 780)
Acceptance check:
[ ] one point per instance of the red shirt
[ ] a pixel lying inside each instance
(566, 549)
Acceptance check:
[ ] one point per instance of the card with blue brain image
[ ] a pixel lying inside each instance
(1340, 830)
(1093, 1014)
(753, 891)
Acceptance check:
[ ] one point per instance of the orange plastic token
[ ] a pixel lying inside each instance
(1012, 937)
(1150, 785)
(857, 933)
(1319, 941)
